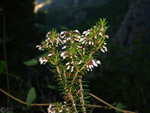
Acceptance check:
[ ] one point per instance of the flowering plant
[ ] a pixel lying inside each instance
(72, 54)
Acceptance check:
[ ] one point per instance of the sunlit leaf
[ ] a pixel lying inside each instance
(120, 106)
(31, 96)
(52, 86)
(32, 62)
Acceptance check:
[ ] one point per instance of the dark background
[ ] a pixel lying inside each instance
(123, 77)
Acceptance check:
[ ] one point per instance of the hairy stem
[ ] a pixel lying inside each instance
(82, 96)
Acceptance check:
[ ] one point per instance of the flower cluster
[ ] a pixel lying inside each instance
(43, 60)
(72, 53)
(57, 108)
(91, 64)
(79, 40)
(52, 40)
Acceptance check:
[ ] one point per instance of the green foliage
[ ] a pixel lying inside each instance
(72, 54)
(2, 66)
(31, 96)
(32, 62)
(52, 86)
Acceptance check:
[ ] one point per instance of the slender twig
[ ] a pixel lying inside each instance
(82, 96)
(123, 111)
(16, 77)
(47, 104)
(44, 104)
(42, 109)
(5, 53)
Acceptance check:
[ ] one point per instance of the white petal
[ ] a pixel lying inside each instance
(94, 63)
(72, 69)
(81, 39)
(87, 66)
(102, 50)
(68, 38)
(90, 43)
(77, 31)
(79, 46)
(62, 54)
(62, 33)
(64, 47)
(98, 62)
(67, 63)
(100, 34)
(68, 67)
(84, 32)
(83, 42)
(49, 55)
(80, 62)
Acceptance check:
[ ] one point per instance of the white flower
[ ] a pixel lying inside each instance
(107, 36)
(49, 55)
(68, 38)
(92, 43)
(67, 63)
(62, 33)
(98, 62)
(94, 63)
(60, 111)
(105, 48)
(81, 39)
(64, 47)
(76, 31)
(68, 67)
(47, 35)
(89, 42)
(64, 57)
(40, 47)
(87, 66)
(76, 39)
(100, 34)
(63, 53)
(50, 109)
(64, 41)
(102, 50)
(75, 56)
(72, 69)
(83, 42)
(80, 62)
(42, 60)
(79, 46)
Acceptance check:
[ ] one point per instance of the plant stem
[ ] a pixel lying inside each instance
(5, 54)
(82, 96)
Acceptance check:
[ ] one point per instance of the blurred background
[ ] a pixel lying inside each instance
(122, 80)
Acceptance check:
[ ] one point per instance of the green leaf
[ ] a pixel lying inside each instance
(31, 96)
(26, 108)
(120, 106)
(2, 66)
(43, 55)
(32, 62)
(52, 86)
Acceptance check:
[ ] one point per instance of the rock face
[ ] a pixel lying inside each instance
(136, 23)
(76, 3)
